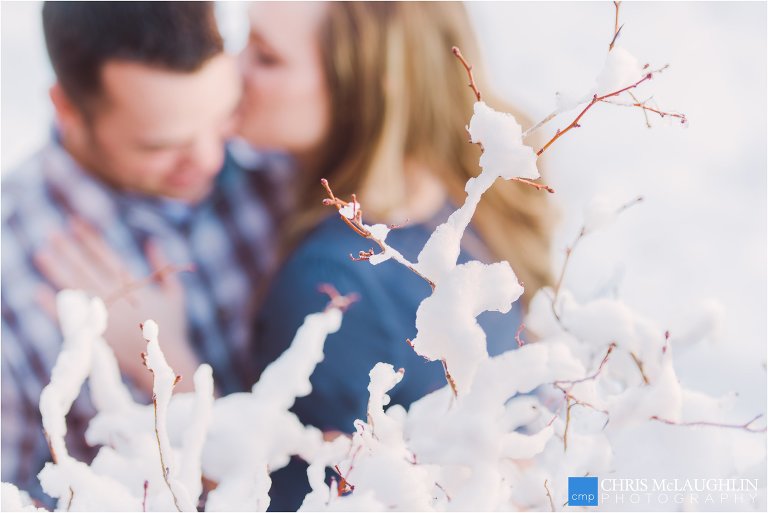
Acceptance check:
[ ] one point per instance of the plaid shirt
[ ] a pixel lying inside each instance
(228, 238)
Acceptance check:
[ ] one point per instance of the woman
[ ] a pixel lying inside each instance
(369, 96)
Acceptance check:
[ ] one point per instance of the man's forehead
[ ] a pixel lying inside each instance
(154, 97)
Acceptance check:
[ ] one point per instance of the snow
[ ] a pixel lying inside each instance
(504, 153)
(350, 211)
(578, 400)
(14, 499)
(621, 69)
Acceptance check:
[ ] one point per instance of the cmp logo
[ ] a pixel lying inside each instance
(582, 491)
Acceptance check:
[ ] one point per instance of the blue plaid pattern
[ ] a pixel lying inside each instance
(228, 237)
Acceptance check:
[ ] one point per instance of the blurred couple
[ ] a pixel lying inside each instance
(173, 159)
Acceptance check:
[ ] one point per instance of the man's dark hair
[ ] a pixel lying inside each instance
(82, 36)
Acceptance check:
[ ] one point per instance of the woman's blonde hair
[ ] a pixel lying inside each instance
(398, 93)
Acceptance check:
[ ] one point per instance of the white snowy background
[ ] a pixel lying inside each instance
(695, 247)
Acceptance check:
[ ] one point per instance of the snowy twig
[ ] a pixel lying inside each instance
(473, 86)
(569, 250)
(572, 401)
(467, 67)
(343, 487)
(568, 397)
(603, 98)
(164, 380)
(746, 426)
(592, 376)
(357, 225)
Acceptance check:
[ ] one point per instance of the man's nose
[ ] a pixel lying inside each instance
(206, 155)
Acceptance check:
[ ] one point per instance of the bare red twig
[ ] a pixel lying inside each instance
(448, 376)
(144, 501)
(519, 341)
(645, 113)
(746, 426)
(444, 491)
(71, 498)
(54, 458)
(539, 186)
(363, 256)
(592, 376)
(639, 364)
(337, 300)
(343, 487)
(681, 117)
(155, 277)
(570, 400)
(356, 224)
(549, 496)
(616, 27)
(467, 67)
(596, 99)
(643, 105)
(568, 251)
(567, 421)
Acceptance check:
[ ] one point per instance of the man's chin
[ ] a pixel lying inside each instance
(188, 194)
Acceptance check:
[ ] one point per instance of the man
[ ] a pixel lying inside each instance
(131, 183)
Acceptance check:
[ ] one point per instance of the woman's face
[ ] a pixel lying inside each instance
(286, 104)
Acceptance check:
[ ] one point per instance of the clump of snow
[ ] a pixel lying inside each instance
(350, 210)
(379, 231)
(446, 323)
(14, 499)
(621, 69)
(253, 434)
(599, 212)
(504, 154)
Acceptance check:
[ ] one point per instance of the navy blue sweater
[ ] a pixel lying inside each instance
(374, 329)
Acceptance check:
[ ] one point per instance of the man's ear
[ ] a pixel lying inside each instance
(69, 116)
